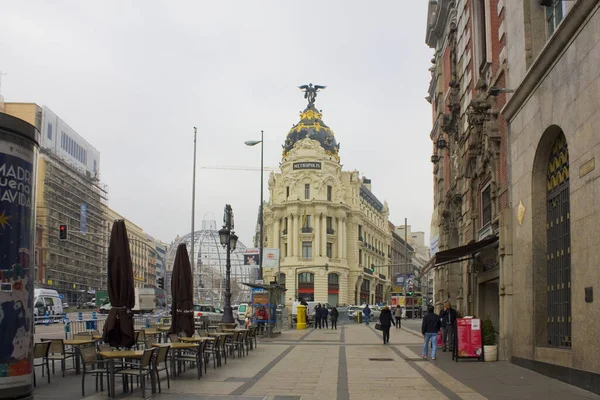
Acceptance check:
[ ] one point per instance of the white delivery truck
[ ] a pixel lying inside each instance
(145, 302)
(47, 301)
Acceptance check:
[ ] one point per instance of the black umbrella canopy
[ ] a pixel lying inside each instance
(182, 293)
(118, 329)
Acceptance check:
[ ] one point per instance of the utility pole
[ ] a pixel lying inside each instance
(194, 210)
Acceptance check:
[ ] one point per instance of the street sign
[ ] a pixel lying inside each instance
(61, 296)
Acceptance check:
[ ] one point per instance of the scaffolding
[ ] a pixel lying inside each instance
(77, 265)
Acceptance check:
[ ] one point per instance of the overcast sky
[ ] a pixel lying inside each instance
(135, 77)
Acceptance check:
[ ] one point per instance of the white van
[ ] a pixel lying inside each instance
(47, 301)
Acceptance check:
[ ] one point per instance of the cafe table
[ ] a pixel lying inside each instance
(111, 356)
(75, 344)
(177, 347)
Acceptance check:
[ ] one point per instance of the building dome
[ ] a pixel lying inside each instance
(311, 126)
(209, 267)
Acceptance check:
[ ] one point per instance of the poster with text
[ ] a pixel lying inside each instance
(17, 230)
(468, 335)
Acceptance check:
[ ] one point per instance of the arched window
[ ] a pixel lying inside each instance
(306, 277)
(333, 289)
(558, 236)
(306, 286)
(365, 291)
(379, 293)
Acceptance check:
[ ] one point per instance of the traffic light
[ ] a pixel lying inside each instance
(372, 268)
(161, 283)
(63, 232)
(410, 289)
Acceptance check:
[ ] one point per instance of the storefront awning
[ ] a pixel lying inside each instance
(460, 253)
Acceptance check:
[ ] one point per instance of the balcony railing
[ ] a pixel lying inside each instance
(307, 229)
(330, 231)
(360, 239)
(284, 232)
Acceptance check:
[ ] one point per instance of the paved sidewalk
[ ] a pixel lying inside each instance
(499, 380)
(350, 363)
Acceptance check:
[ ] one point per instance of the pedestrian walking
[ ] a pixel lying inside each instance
(448, 318)
(325, 317)
(334, 317)
(429, 328)
(367, 313)
(318, 316)
(386, 320)
(398, 315)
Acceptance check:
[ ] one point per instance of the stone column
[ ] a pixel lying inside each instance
(276, 233)
(317, 231)
(345, 238)
(340, 240)
(297, 228)
(293, 232)
(324, 234)
(290, 236)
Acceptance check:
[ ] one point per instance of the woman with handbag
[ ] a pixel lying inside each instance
(385, 321)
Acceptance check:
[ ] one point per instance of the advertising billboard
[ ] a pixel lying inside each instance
(270, 258)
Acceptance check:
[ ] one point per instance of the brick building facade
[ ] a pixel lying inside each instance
(469, 154)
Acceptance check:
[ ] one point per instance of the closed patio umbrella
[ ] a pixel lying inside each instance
(182, 293)
(118, 329)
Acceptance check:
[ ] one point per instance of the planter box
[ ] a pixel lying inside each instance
(490, 353)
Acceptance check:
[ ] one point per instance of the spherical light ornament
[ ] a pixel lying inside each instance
(209, 266)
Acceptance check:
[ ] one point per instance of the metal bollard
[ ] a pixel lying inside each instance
(67, 329)
(47, 319)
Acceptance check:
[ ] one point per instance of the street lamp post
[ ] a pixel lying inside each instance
(261, 245)
(228, 240)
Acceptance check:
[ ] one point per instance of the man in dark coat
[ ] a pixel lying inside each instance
(448, 318)
(324, 315)
(429, 329)
(386, 320)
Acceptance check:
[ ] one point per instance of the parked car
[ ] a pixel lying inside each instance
(65, 306)
(206, 310)
(239, 314)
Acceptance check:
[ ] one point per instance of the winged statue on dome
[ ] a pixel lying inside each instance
(310, 92)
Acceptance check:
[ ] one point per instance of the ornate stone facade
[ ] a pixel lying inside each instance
(328, 225)
(470, 150)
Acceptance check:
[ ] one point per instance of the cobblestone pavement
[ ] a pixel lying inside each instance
(350, 363)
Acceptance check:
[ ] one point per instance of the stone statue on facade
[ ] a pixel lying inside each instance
(310, 92)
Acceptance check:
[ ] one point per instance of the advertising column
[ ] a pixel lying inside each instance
(18, 160)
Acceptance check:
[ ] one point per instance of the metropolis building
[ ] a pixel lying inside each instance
(329, 227)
